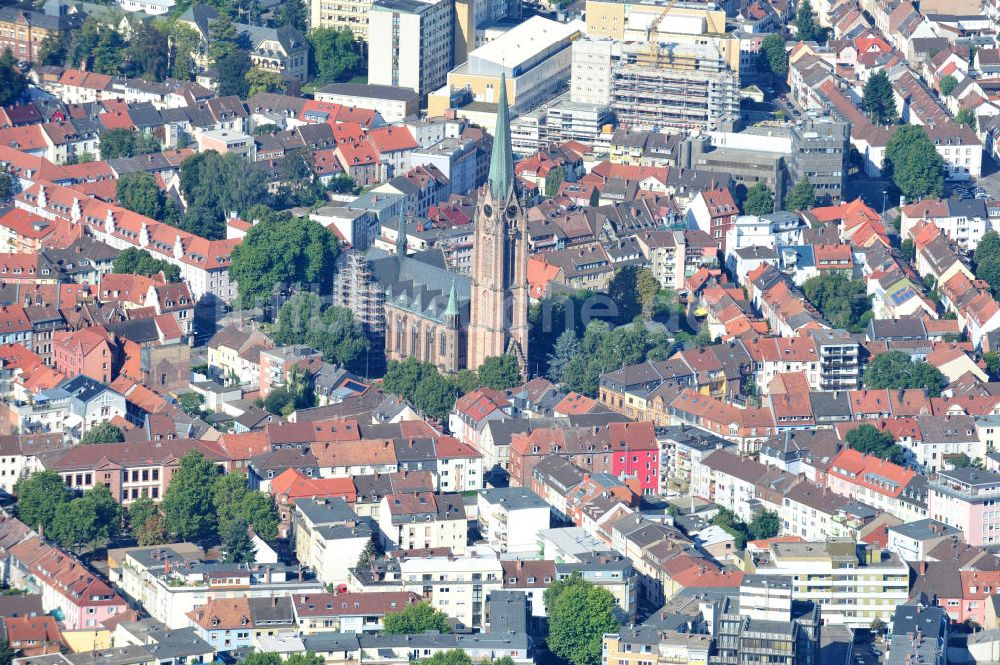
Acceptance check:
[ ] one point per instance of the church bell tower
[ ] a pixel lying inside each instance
(499, 307)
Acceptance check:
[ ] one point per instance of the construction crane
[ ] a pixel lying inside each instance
(655, 23)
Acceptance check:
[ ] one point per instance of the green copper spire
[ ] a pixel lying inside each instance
(501, 177)
(401, 232)
(452, 308)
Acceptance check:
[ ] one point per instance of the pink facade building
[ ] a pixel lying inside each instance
(967, 499)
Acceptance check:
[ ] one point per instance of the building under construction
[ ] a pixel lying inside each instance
(687, 86)
(356, 288)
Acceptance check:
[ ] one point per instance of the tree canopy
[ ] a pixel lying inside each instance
(336, 56)
(124, 142)
(878, 100)
(802, 196)
(896, 370)
(759, 200)
(579, 616)
(869, 440)
(279, 251)
(914, 163)
(139, 192)
(415, 619)
(500, 372)
(332, 331)
(947, 84)
(553, 179)
(135, 261)
(216, 185)
(39, 498)
(842, 300)
(805, 23)
(773, 50)
(103, 433)
(604, 348)
(187, 505)
(987, 257)
(13, 82)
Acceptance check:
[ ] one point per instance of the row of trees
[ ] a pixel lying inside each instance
(434, 393)
(200, 504)
(332, 331)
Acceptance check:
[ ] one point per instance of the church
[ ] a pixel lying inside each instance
(421, 309)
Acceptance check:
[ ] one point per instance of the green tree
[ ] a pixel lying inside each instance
(8, 186)
(226, 39)
(87, 520)
(192, 403)
(261, 80)
(53, 51)
(734, 526)
(869, 440)
(500, 372)
(336, 56)
(435, 396)
(264, 658)
(908, 250)
(603, 349)
(141, 515)
(566, 348)
(13, 82)
(333, 331)
(184, 42)
(878, 100)
(843, 301)
(416, 619)
(147, 53)
(966, 117)
(234, 501)
(367, 555)
(7, 653)
(236, 542)
(914, 163)
(553, 179)
(40, 497)
(947, 84)
(648, 290)
(805, 22)
(802, 196)
(135, 261)
(187, 505)
(877, 626)
(120, 142)
(215, 185)
(773, 49)
(465, 381)
(293, 13)
(103, 433)
(992, 360)
(298, 253)
(895, 370)
(579, 616)
(233, 70)
(765, 524)
(759, 201)
(341, 184)
(450, 657)
(963, 461)
(139, 192)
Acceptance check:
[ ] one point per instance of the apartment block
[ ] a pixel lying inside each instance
(967, 499)
(410, 44)
(852, 583)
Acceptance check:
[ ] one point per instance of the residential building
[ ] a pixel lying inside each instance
(852, 583)
(424, 520)
(410, 44)
(328, 537)
(965, 499)
(510, 518)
